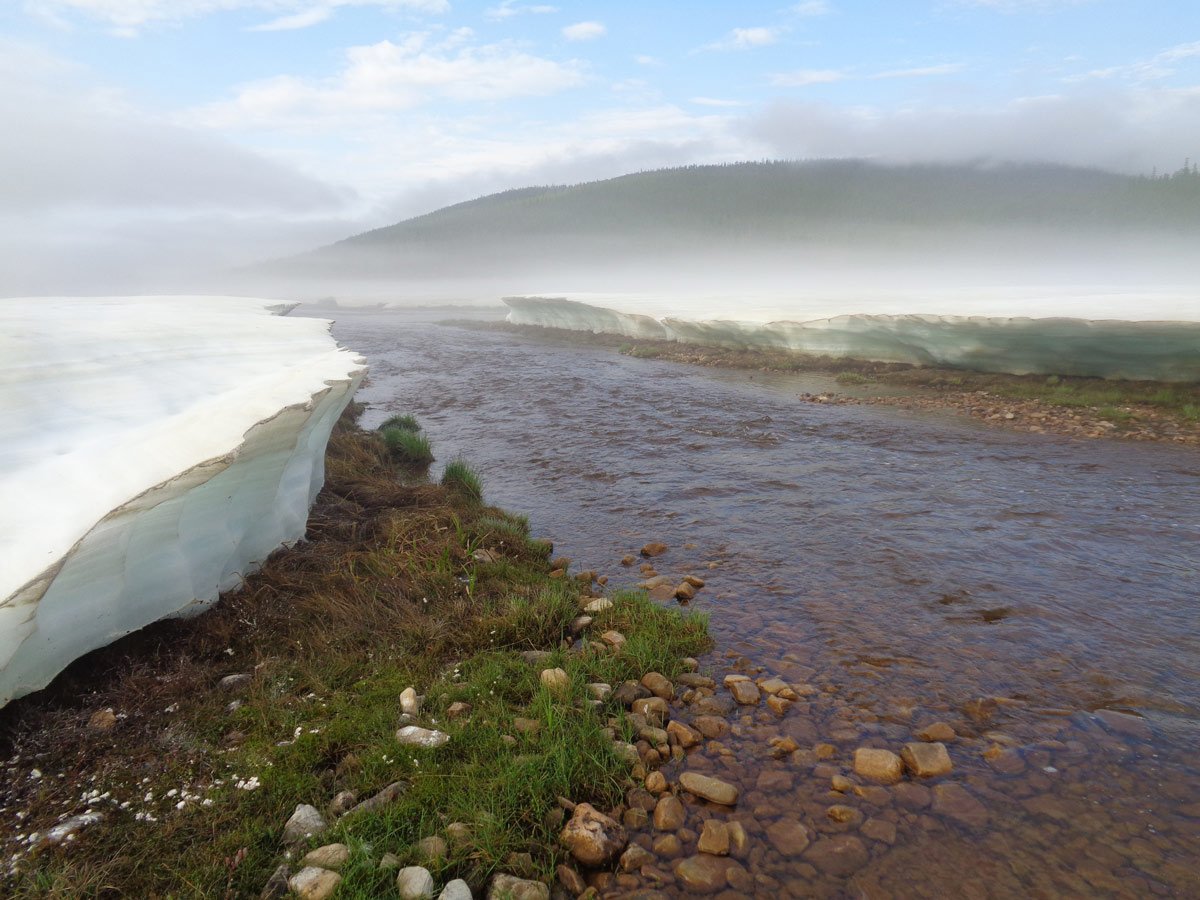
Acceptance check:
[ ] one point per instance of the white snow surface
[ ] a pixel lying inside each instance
(1152, 335)
(153, 451)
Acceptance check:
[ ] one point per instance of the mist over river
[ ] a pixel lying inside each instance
(911, 568)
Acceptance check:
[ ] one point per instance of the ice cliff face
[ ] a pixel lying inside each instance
(1158, 351)
(153, 451)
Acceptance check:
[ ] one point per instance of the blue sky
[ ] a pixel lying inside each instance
(333, 115)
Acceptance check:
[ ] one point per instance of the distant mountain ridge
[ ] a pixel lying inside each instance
(778, 202)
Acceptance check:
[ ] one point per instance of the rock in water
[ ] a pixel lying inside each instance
(926, 760)
(592, 837)
(176, 473)
(709, 788)
(882, 766)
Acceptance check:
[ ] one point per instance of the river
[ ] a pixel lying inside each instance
(905, 568)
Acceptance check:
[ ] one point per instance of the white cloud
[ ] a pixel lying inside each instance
(805, 77)
(922, 71)
(299, 20)
(811, 8)
(511, 8)
(130, 16)
(108, 196)
(1129, 131)
(584, 31)
(1161, 65)
(715, 101)
(644, 60)
(391, 76)
(747, 39)
(1015, 6)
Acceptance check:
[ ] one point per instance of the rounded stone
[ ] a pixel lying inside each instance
(702, 874)
(592, 837)
(709, 788)
(414, 883)
(669, 814)
(882, 766)
(839, 856)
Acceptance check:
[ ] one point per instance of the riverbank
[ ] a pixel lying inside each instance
(378, 692)
(1065, 405)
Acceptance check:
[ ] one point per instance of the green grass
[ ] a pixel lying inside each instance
(389, 591)
(852, 378)
(404, 423)
(460, 478)
(410, 448)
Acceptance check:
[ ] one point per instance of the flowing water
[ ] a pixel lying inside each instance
(902, 569)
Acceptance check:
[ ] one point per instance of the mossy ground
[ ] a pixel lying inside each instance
(388, 591)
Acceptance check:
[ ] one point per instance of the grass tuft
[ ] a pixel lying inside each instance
(410, 448)
(404, 423)
(460, 478)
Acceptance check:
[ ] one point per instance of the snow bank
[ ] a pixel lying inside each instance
(153, 450)
(1020, 345)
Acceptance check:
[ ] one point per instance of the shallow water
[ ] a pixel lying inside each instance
(903, 565)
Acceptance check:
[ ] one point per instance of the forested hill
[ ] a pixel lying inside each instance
(786, 201)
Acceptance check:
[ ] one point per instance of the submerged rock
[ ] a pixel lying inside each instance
(926, 760)
(709, 788)
(882, 766)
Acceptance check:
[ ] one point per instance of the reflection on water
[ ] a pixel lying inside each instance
(903, 570)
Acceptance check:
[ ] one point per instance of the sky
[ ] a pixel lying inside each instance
(147, 136)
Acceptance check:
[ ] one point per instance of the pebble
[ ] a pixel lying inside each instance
(658, 685)
(882, 766)
(414, 883)
(597, 606)
(456, 890)
(709, 788)
(509, 887)
(926, 760)
(410, 703)
(415, 736)
(938, 731)
(710, 726)
(745, 693)
(654, 548)
(331, 856)
(702, 874)
(458, 709)
(232, 682)
(839, 856)
(312, 883)
(432, 849)
(592, 837)
(669, 814)
(714, 838)
(342, 803)
(305, 821)
(556, 681)
(956, 802)
(614, 639)
(102, 720)
(789, 838)
(684, 735)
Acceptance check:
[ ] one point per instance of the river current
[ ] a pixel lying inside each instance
(1038, 594)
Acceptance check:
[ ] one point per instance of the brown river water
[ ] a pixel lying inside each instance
(1038, 594)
